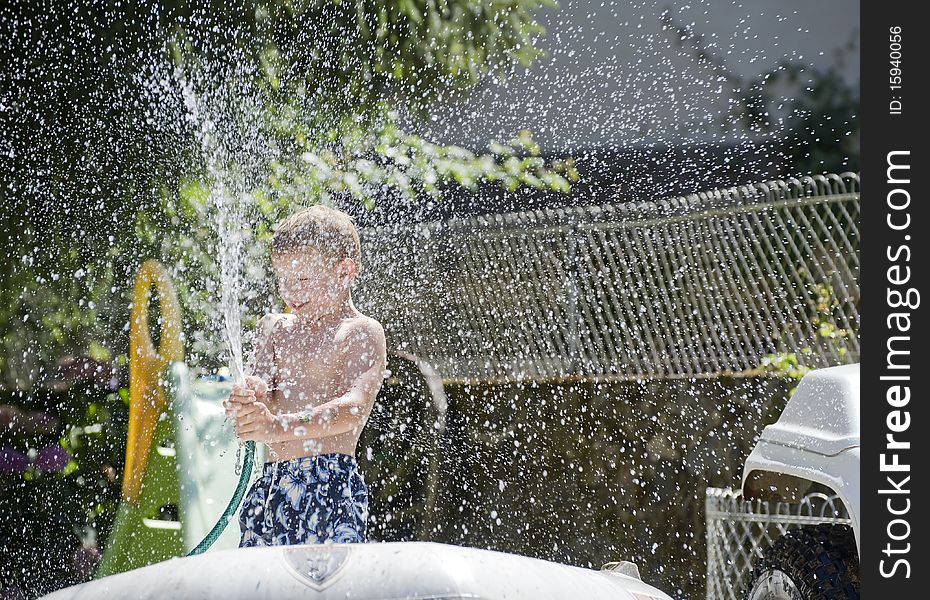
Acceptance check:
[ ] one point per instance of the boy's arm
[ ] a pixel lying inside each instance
(366, 357)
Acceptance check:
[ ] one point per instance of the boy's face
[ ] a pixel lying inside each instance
(309, 283)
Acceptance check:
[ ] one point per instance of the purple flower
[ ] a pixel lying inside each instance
(84, 368)
(85, 559)
(52, 458)
(13, 461)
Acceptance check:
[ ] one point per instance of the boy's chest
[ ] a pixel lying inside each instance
(307, 366)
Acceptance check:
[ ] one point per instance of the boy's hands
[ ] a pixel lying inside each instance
(253, 384)
(253, 420)
(258, 424)
(251, 389)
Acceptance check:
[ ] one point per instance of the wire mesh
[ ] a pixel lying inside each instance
(739, 530)
(700, 285)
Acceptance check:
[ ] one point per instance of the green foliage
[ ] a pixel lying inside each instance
(823, 116)
(340, 59)
(56, 519)
(420, 48)
(789, 364)
(53, 306)
(332, 101)
(785, 364)
(413, 167)
(329, 78)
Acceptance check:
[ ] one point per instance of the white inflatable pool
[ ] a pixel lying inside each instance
(374, 571)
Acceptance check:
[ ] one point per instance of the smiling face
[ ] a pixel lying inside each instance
(310, 284)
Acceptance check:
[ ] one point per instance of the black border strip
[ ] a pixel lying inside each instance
(894, 271)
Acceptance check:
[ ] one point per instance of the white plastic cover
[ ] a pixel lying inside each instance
(373, 571)
(823, 414)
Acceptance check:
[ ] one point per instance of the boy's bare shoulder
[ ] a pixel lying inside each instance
(361, 327)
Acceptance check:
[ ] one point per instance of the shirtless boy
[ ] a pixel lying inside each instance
(309, 389)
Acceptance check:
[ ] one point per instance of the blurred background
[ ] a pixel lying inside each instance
(183, 131)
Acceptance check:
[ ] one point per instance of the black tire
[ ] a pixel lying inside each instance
(817, 562)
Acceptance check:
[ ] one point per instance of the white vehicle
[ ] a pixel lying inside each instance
(814, 445)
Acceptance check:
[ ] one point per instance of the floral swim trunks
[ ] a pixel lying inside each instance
(307, 500)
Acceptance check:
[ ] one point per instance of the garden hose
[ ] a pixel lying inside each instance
(233, 502)
(240, 489)
(244, 476)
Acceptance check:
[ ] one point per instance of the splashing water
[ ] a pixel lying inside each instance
(226, 203)
(644, 96)
(233, 150)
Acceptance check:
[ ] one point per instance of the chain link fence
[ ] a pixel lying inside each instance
(702, 285)
(739, 530)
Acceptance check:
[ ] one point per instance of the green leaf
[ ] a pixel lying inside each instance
(70, 468)
(98, 352)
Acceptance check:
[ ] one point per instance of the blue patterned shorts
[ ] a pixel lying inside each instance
(307, 500)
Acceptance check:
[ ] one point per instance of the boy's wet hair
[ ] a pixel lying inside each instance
(324, 229)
